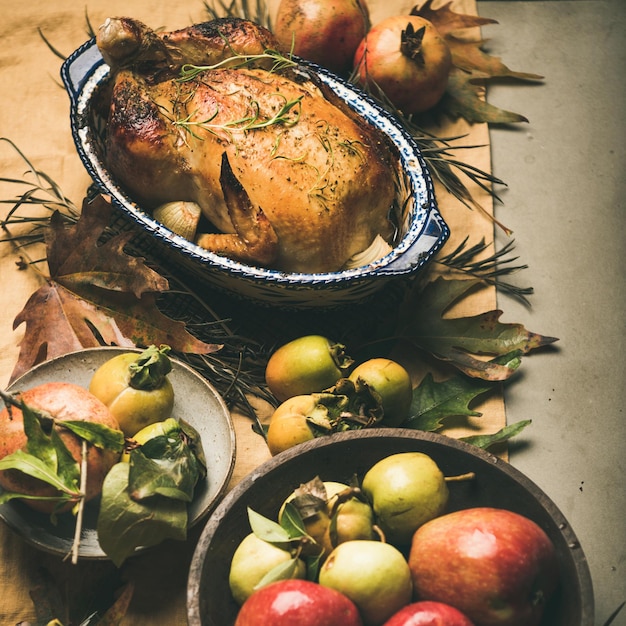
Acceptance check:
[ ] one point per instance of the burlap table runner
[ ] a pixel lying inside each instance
(34, 114)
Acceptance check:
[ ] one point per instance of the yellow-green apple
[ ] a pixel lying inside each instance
(496, 566)
(300, 602)
(428, 613)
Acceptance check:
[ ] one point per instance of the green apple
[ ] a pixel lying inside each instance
(406, 490)
(253, 560)
(374, 575)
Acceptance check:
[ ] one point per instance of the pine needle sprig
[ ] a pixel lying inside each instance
(491, 269)
(256, 11)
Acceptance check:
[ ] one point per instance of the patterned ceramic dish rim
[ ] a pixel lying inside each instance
(85, 70)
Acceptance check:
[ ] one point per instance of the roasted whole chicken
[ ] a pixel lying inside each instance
(287, 176)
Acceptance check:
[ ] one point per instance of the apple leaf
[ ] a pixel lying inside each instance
(459, 341)
(96, 294)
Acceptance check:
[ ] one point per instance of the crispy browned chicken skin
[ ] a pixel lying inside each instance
(290, 179)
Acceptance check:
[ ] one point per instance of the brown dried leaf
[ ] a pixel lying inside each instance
(472, 67)
(446, 21)
(469, 56)
(97, 294)
(75, 258)
(464, 97)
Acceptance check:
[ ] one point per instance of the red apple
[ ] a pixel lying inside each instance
(496, 566)
(301, 602)
(428, 614)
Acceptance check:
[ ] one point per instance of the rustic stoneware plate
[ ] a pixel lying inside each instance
(338, 457)
(196, 401)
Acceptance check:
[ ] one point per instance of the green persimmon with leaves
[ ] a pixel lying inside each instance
(145, 497)
(392, 382)
(136, 388)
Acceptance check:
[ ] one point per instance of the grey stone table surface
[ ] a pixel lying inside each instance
(565, 200)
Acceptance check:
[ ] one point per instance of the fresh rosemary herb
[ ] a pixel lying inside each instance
(236, 61)
(287, 115)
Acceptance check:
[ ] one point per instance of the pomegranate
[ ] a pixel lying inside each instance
(406, 58)
(63, 401)
(326, 32)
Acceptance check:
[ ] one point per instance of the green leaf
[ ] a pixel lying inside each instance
(124, 524)
(148, 372)
(67, 468)
(99, 435)
(38, 441)
(149, 477)
(434, 401)
(504, 434)
(282, 571)
(194, 443)
(35, 467)
(460, 340)
(267, 529)
(291, 521)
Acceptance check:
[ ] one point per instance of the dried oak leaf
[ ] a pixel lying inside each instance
(96, 294)
(459, 341)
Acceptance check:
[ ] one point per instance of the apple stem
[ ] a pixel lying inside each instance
(460, 477)
(81, 504)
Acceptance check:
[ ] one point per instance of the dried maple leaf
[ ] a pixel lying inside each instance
(96, 294)
(459, 341)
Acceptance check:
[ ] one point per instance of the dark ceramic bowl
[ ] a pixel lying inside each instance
(421, 229)
(338, 457)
